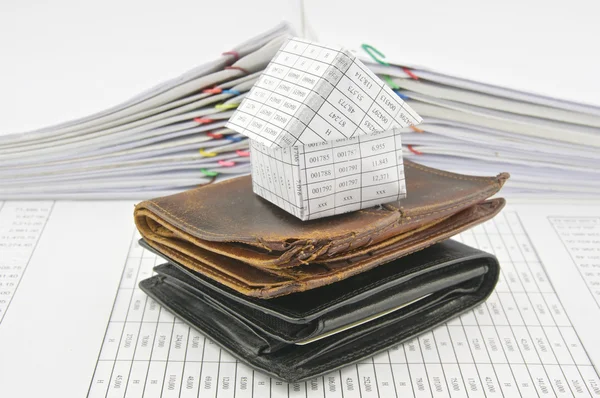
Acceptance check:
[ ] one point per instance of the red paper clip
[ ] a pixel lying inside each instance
(226, 163)
(235, 54)
(203, 120)
(237, 68)
(413, 150)
(214, 90)
(243, 154)
(216, 136)
(410, 73)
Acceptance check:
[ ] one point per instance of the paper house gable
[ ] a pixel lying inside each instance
(323, 132)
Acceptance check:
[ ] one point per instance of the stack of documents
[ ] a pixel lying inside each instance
(173, 136)
(164, 140)
(550, 146)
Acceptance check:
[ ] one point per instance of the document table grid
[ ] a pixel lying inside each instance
(519, 343)
(21, 226)
(581, 237)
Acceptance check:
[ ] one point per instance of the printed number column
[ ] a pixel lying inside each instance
(319, 175)
(379, 169)
(347, 169)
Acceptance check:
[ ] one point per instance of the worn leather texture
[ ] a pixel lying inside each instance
(227, 233)
(448, 277)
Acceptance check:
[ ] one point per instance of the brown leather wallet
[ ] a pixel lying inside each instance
(227, 233)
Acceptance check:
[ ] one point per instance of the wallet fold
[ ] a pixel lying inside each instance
(227, 233)
(305, 334)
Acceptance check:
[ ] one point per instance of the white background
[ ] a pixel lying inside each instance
(543, 46)
(64, 59)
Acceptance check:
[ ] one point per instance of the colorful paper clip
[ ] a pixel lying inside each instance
(235, 54)
(237, 68)
(234, 138)
(226, 163)
(399, 94)
(209, 173)
(416, 129)
(410, 73)
(243, 154)
(413, 150)
(370, 50)
(231, 91)
(203, 120)
(214, 90)
(215, 136)
(207, 154)
(226, 106)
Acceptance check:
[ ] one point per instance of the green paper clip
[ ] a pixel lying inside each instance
(209, 173)
(375, 54)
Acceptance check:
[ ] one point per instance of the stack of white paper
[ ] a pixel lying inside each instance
(173, 136)
(550, 146)
(166, 139)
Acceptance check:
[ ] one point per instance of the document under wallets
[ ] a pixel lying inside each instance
(297, 299)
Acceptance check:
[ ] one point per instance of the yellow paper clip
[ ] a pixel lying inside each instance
(226, 106)
(207, 154)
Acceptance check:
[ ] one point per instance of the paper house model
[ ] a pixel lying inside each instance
(323, 132)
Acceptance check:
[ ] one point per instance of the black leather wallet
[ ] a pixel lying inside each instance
(305, 334)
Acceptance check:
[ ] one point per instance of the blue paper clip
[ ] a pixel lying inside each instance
(404, 97)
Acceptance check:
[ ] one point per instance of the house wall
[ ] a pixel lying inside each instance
(324, 179)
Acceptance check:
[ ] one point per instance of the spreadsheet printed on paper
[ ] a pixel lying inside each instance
(519, 343)
(312, 93)
(21, 226)
(328, 178)
(581, 237)
(317, 99)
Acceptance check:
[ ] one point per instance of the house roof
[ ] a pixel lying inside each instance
(311, 93)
